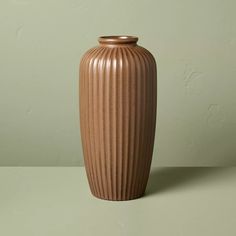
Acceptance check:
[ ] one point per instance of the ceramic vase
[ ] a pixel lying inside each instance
(117, 98)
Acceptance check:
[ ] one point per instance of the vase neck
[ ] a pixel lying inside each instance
(118, 40)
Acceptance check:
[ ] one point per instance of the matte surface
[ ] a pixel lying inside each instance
(118, 99)
(42, 43)
(56, 202)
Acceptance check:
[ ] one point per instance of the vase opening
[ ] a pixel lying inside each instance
(118, 39)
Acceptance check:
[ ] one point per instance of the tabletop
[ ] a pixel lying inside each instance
(56, 201)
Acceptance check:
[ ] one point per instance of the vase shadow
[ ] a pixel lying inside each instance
(169, 178)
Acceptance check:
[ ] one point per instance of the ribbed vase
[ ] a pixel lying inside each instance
(118, 95)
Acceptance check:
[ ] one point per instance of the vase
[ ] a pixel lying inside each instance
(117, 99)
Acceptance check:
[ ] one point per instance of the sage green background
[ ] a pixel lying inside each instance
(41, 44)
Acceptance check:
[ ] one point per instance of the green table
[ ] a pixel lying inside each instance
(56, 201)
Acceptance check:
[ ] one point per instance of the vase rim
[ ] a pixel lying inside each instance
(118, 39)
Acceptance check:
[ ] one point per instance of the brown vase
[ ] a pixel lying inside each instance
(118, 93)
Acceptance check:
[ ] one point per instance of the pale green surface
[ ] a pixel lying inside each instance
(41, 46)
(50, 201)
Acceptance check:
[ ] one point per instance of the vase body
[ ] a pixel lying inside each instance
(118, 96)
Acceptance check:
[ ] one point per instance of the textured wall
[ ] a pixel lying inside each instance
(41, 46)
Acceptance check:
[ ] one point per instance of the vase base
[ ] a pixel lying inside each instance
(126, 198)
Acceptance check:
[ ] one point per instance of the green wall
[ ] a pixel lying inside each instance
(42, 42)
